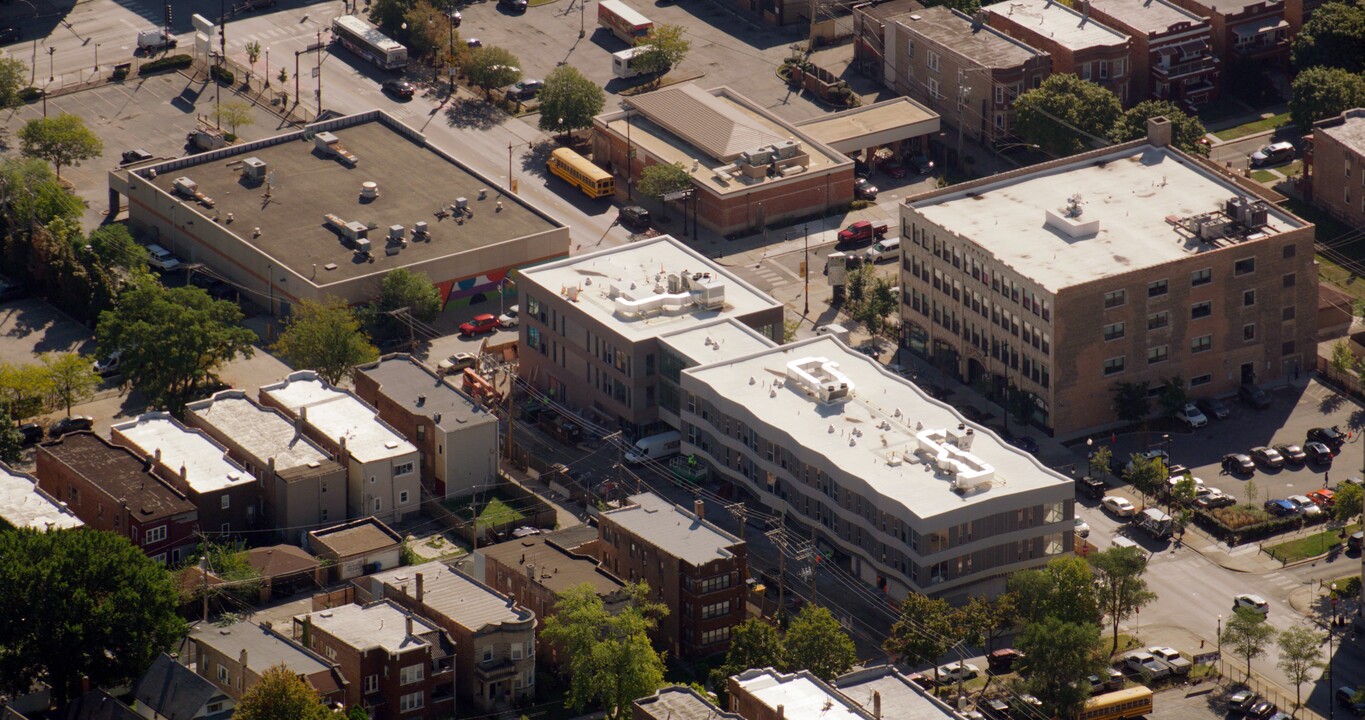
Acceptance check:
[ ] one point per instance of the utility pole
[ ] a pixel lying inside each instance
(779, 537)
(319, 71)
(222, 57)
(297, 53)
(582, 28)
(204, 590)
(805, 269)
(737, 511)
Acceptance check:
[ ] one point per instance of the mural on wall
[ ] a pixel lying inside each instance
(472, 290)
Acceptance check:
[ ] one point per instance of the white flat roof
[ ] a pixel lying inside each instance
(207, 467)
(674, 529)
(801, 697)
(646, 265)
(716, 340)
(1147, 15)
(1060, 23)
(23, 505)
(339, 414)
(263, 432)
(1132, 192)
(861, 436)
(382, 625)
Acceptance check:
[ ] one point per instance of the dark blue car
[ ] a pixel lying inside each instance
(1280, 508)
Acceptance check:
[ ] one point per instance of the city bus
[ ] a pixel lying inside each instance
(365, 40)
(623, 63)
(582, 174)
(1133, 702)
(623, 22)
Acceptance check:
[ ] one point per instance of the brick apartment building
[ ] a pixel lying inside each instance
(1246, 33)
(397, 666)
(110, 488)
(692, 566)
(1133, 263)
(1172, 52)
(1078, 44)
(1334, 166)
(234, 657)
(25, 505)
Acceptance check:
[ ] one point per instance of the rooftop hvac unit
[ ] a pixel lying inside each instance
(355, 231)
(362, 245)
(1247, 212)
(786, 149)
(461, 203)
(419, 228)
(254, 168)
(758, 157)
(369, 190)
(397, 233)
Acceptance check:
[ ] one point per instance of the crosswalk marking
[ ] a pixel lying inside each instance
(766, 273)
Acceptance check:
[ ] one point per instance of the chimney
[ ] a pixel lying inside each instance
(877, 705)
(419, 588)
(1159, 131)
(781, 712)
(241, 659)
(271, 464)
(408, 621)
(184, 474)
(342, 442)
(699, 509)
(307, 631)
(157, 453)
(303, 414)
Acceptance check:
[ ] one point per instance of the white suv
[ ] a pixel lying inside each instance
(1192, 416)
(161, 258)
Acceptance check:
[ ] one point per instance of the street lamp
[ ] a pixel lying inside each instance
(51, 74)
(1331, 681)
(97, 57)
(1220, 638)
(267, 67)
(805, 269)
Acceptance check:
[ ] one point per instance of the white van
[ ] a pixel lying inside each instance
(148, 40)
(884, 250)
(655, 447)
(834, 329)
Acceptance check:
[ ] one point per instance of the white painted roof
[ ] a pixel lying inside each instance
(207, 467)
(1060, 23)
(800, 696)
(716, 340)
(464, 600)
(339, 414)
(382, 625)
(1131, 192)
(263, 432)
(23, 505)
(674, 529)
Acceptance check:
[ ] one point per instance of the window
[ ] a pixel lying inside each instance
(712, 584)
(516, 651)
(421, 432)
(1245, 266)
(711, 637)
(1288, 280)
(1248, 298)
(1287, 313)
(224, 501)
(933, 61)
(1113, 366)
(933, 89)
(402, 469)
(1104, 69)
(223, 676)
(999, 94)
(411, 701)
(1287, 348)
(1198, 380)
(371, 684)
(1201, 343)
(1156, 355)
(533, 337)
(488, 654)
(155, 535)
(323, 516)
(1249, 332)
(1113, 299)
(1113, 331)
(226, 528)
(715, 610)
(1201, 277)
(1201, 310)
(403, 497)
(1290, 250)
(1157, 289)
(910, 49)
(378, 504)
(410, 674)
(331, 653)
(1156, 321)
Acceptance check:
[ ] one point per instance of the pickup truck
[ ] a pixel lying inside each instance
(862, 232)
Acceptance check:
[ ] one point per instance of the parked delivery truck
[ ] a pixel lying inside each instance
(655, 447)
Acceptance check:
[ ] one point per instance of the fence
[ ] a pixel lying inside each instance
(1234, 674)
(531, 511)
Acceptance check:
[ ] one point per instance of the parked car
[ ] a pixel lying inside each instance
(457, 363)
(524, 89)
(954, 671)
(1082, 528)
(480, 324)
(1293, 454)
(30, 432)
(894, 168)
(9, 35)
(1242, 701)
(1179, 664)
(516, 6)
(135, 156)
(1090, 487)
(1002, 661)
(1251, 602)
(1214, 408)
(1239, 464)
(1323, 497)
(109, 364)
(1190, 415)
(1121, 507)
(634, 218)
(1267, 456)
(1148, 666)
(1281, 508)
(1254, 396)
(1215, 498)
(11, 289)
(69, 425)
(1262, 710)
(1318, 453)
(1306, 506)
(920, 163)
(1329, 436)
(1151, 455)
(1273, 154)
(398, 88)
(1025, 443)
(509, 318)
(1353, 542)
(161, 258)
(864, 189)
(1346, 696)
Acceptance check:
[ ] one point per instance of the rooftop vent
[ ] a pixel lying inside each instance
(1068, 220)
(820, 377)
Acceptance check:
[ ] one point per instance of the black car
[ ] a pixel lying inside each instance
(864, 189)
(1025, 443)
(1239, 464)
(1329, 436)
(9, 35)
(31, 433)
(1214, 408)
(1262, 710)
(920, 163)
(1253, 396)
(518, 6)
(69, 425)
(1242, 701)
(1093, 488)
(1292, 454)
(398, 88)
(1318, 453)
(455, 18)
(634, 218)
(136, 156)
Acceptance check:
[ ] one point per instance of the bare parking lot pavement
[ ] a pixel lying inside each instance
(30, 327)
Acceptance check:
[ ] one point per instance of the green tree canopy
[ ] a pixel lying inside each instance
(754, 643)
(492, 67)
(1247, 635)
(1066, 114)
(82, 603)
(1333, 37)
(172, 340)
(1347, 502)
(400, 292)
(114, 246)
(61, 140)
(1100, 459)
(1061, 654)
(281, 694)
(984, 619)
(1323, 92)
(1300, 655)
(71, 378)
(30, 196)
(1146, 474)
(1119, 584)
(12, 72)
(926, 629)
(569, 100)
(1186, 130)
(1063, 589)
(325, 336)
(11, 442)
(1130, 401)
(234, 114)
(666, 45)
(658, 179)
(1173, 397)
(816, 642)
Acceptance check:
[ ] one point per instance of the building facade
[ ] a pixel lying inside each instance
(1077, 43)
(1246, 33)
(1334, 166)
(1172, 49)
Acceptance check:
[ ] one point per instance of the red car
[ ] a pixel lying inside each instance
(480, 324)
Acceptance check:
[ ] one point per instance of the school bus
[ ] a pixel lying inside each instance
(1133, 702)
(582, 174)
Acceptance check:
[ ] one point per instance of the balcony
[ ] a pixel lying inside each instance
(1261, 38)
(494, 670)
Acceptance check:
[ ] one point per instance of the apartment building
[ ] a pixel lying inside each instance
(383, 470)
(891, 485)
(1334, 166)
(234, 657)
(227, 496)
(1130, 264)
(1246, 33)
(697, 570)
(699, 345)
(590, 324)
(1077, 43)
(878, 693)
(1172, 49)
(302, 486)
(396, 666)
(110, 488)
(495, 638)
(965, 70)
(456, 437)
(677, 702)
(25, 505)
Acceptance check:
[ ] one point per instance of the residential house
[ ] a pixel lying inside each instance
(1172, 49)
(95, 705)
(1078, 44)
(25, 505)
(357, 548)
(234, 657)
(878, 693)
(1249, 33)
(171, 691)
(285, 570)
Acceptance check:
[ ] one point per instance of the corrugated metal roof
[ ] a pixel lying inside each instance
(697, 117)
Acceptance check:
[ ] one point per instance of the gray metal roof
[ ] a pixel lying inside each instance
(419, 390)
(696, 116)
(673, 529)
(460, 598)
(681, 703)
(264, 648)
(173, 690)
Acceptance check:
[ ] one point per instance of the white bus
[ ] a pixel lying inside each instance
(365, 40)
(623, 21)
(623, 63)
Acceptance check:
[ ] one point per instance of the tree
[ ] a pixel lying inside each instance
(1347, 502)
(284, 78)
(234, 114)
(61, 140)
(229, 560)
(114, 246)
(665, 47)
(31, 196)
(1146, 474)
(11, 442)
(1100, 460)
(1323, 92)
(12, 83)
(1061, 655)
(1119, 585)
(172, 339)
(425, 33)
(1300, 655)
(1063, 589)
(926, 629)
(1253, 491)
(610, 658)
(1173, 397)
(1066, 115)
(23, 388)
(659, 179)
(1333, 37)
(253, 53)
(1343, 360)
(817, 643)
(70, 378)
(281, 694)
(1247, 634)
(389, 15)
(753, 644)
(569, 101)
(492, 67)
(401, 292)
(106, 610)
(880, 301)
(1186, 130)
(984, 620)
(1130, 401)
(325, 336)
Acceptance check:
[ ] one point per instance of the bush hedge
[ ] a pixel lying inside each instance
(170, 62)
(1257, 531)
(222, 75)
(30, 94)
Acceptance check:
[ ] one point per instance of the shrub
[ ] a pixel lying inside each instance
(859, 204)
(30, 94)
(120, 73)
(170, 62)
(222, 75)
